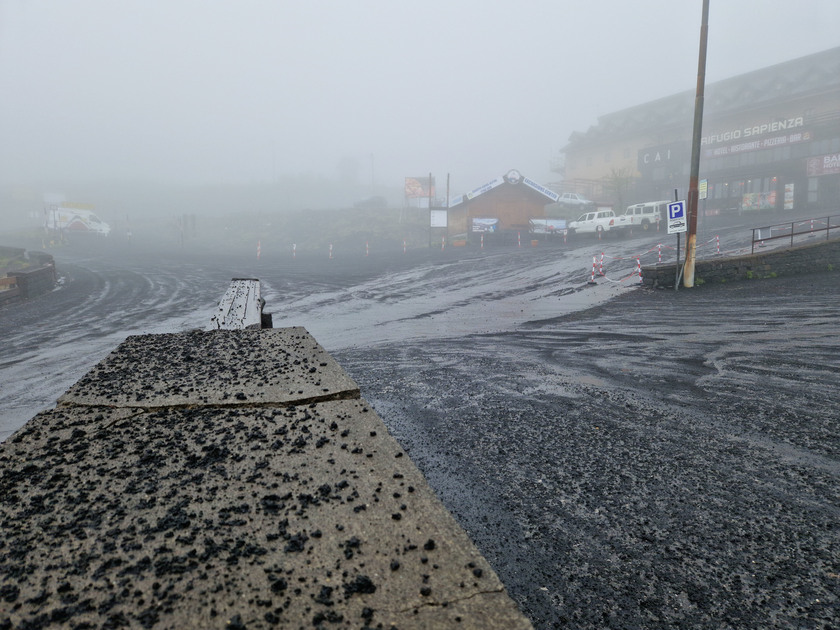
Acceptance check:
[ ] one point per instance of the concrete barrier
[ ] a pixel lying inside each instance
(241, 307)
(34, 282)
(28, 276)
(228, 479)
(812, 258)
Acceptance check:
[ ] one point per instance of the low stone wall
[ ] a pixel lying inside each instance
(35, 282)
(11, 252)
(815, 257)
(8, 294)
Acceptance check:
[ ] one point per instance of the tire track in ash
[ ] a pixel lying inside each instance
(440, 299)
(603, 499)
(51, 341)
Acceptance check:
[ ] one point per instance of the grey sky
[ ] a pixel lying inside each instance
(200, 91)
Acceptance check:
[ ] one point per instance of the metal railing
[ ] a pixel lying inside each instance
(795, 228)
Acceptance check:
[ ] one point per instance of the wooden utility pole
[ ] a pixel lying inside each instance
(693, 193)
(430, 210)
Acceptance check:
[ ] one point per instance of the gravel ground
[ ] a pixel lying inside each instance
(669, 459)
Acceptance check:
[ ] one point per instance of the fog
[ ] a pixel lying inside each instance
(316, 104)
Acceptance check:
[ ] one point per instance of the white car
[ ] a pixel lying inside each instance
(593, 222)
(575, 200)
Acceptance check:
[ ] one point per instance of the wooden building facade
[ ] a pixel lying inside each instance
(500, 208)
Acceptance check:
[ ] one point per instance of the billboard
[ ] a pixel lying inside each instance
(485, 224)
(824, 165)
(547, 226)
(758, 201)
(418, 187)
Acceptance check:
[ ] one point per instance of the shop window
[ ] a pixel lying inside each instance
(813, 189)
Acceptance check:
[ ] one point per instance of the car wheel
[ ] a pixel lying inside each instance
(645, 225)
(599, 228)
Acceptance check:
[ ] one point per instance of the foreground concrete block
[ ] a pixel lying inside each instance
(223, 515)
(219, 367)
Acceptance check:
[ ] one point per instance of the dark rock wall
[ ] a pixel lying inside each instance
(813, 258)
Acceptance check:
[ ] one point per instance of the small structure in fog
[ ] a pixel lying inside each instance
(505, 204)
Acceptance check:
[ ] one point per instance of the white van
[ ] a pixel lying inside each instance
(644, 215)
(74, 220)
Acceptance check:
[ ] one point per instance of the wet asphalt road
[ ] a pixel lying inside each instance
(667, 460)
(664, 459)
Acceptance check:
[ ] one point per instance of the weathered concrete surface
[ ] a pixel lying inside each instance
(155, 496)
(240, 307)
(282, 366)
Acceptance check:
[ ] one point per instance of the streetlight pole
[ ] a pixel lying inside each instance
(693, 194)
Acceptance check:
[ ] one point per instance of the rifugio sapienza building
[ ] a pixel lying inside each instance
(770, 142)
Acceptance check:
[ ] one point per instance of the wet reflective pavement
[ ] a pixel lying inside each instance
(665, 460)
(661, 459)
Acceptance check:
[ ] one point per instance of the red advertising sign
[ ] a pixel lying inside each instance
(824, 165)
(419, 187)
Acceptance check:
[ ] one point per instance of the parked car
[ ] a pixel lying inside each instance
(593, 222)
(643, 215)
(575, 200)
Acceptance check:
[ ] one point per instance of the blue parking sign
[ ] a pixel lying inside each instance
(676, 218)
(676, 210)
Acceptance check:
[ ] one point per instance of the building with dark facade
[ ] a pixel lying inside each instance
(770, 141)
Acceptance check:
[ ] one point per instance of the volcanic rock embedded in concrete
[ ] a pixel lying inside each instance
(154, 496)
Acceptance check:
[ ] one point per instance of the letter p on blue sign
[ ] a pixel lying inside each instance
(676, 210)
